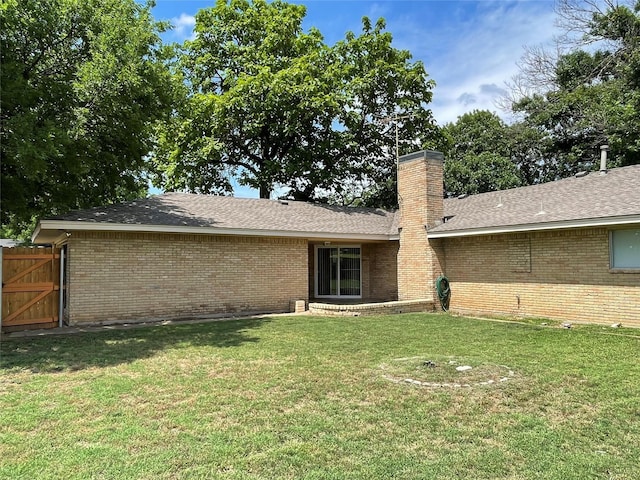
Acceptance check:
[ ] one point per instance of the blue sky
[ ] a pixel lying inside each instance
(470, 48)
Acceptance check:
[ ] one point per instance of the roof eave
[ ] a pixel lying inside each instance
(531, 227)
(51, 231)
(36, 232)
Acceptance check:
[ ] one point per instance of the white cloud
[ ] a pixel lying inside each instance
(472, 49)
(183, 26)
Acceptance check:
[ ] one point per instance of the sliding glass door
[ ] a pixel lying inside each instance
(338, 272)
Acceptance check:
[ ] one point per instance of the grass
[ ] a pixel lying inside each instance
(323, 398)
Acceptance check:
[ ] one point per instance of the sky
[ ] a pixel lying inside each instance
(470, 48)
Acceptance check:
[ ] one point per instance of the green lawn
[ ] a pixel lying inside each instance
(324, 398)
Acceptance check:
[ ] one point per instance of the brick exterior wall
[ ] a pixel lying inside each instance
(420, 196)
(125, 276)
(554, 274)
(561, 274)
(379, 267)
(366, 309)
(383, 267)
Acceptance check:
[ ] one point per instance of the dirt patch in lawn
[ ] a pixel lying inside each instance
(445, 372)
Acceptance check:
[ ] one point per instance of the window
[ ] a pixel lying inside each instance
(625, 249)
(338, 272)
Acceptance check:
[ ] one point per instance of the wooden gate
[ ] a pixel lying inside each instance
(30, 288)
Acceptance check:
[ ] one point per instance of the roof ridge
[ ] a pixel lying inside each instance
(278, 200)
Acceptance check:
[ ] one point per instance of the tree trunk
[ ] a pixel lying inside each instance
(265, 191)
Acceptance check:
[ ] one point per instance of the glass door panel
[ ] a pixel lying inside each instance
(338, 271)
(350, 271)
(327, 271)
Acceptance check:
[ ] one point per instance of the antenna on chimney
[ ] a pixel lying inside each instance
(603, 159)
(394, 119)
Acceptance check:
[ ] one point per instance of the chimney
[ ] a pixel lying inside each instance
(603, 159)
(420, 198)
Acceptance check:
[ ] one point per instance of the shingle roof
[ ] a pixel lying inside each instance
(191, 210)
(613, 198)
(594, 196)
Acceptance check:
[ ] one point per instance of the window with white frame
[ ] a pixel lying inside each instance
(625, 249)
(338, 271)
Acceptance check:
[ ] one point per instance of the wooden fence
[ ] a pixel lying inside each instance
(30, 288)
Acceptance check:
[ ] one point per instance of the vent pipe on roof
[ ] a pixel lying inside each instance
(603, 159)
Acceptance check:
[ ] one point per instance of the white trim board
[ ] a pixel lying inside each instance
(532, 227)
(61, 227)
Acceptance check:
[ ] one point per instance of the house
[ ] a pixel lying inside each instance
(182, 255)
(568, 249)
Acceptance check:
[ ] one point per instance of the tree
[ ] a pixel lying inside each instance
(478, 152)
(583, 98)
(274, 106)
(82, 84)
(479, 173)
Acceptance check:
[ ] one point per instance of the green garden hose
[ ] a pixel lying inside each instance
(444, 291)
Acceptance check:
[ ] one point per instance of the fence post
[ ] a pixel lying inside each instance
(2, 283)
(61, 300)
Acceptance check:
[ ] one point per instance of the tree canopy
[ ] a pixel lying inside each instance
(82, 84)
(275, 107)
(589, 95)
(567, 106)
(478, 155)
(93, 105)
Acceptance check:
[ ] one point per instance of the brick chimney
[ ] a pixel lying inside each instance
(420, 197)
